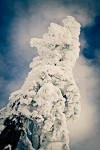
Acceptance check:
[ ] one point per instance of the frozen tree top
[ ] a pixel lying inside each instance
(61, 42)
(49, 96)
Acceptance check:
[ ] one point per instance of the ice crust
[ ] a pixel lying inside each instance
(49, 98)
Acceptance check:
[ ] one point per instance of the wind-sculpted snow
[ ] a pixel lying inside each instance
(49, 98)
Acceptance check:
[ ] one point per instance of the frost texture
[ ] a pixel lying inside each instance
(49, 97)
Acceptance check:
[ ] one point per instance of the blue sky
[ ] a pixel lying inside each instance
(21, 20)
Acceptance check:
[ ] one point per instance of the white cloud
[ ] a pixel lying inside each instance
(88, 84)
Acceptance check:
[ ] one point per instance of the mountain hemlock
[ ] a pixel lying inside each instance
(36, 116)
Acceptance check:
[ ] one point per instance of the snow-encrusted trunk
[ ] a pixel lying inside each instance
(36, 115)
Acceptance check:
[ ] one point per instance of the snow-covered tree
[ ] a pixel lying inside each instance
(36, 116)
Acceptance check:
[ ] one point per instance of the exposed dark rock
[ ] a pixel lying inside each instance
(11, 133)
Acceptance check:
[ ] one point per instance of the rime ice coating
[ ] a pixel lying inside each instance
(49, 97)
